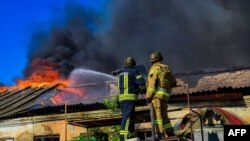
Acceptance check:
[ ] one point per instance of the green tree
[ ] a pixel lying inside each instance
(112, 104)
(99, 134)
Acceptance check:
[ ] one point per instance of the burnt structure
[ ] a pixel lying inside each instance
(32, 113)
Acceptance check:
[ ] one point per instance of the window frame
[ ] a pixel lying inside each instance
(4, 139)
(44, 136)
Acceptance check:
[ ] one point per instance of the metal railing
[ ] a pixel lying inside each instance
(190, 116)
(92, 100)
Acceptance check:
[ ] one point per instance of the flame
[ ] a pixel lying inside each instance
(43, 73)
(3, 89)
(73, 93)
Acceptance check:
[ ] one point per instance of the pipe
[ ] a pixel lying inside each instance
(65, 118)
(202, 136)
(190, 114)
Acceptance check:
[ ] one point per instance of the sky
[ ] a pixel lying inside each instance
(18, 21)
(192, 36)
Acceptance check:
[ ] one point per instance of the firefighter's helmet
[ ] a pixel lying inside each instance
(129, 61)
(156, 56)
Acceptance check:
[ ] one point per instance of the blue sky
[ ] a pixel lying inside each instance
(19, 18)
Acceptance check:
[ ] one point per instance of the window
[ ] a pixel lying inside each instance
(47, 138)
(6, 139)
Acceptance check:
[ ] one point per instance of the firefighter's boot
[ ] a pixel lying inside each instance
(170, 132)
(159, 136)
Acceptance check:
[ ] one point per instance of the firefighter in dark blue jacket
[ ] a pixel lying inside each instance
(130, 84)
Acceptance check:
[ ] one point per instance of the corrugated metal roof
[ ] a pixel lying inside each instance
(23, 100)
(10, 93)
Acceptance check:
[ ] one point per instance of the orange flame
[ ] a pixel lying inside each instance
(62, 96)
(44, 74)
(3, 89)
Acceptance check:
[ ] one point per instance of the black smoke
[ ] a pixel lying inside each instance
(73, 44)
(191, 35)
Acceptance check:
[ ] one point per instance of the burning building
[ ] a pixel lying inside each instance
(64, 110)
(45, 87)
(52, 104)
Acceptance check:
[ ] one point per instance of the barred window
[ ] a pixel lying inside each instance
(47, 138)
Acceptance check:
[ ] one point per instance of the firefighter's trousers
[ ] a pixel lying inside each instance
(127, 124)
(161, 121)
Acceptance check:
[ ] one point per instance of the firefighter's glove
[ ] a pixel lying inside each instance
(148, 101)
(114, 73)
(142, 91)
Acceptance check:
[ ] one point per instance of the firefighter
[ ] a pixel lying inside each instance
(130, 84)
(160, 82)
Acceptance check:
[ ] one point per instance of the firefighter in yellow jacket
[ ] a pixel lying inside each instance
(160, 82)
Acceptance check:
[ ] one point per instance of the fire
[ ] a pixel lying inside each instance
(67, 93)
(3, 89)
(43, 74)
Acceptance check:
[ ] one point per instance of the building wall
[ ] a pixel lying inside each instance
(27, 131)
(242, 112)
(24, 129)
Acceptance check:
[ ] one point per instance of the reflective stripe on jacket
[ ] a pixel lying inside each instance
(130, 82)
(160, 80)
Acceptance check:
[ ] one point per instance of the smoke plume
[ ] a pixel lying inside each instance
(72, 45)
(191, 35)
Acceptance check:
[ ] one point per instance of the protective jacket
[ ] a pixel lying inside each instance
(130, 84)
(160, 82)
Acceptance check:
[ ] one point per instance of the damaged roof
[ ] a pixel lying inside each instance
(35, 101)
(21, 100)
(233, 80)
